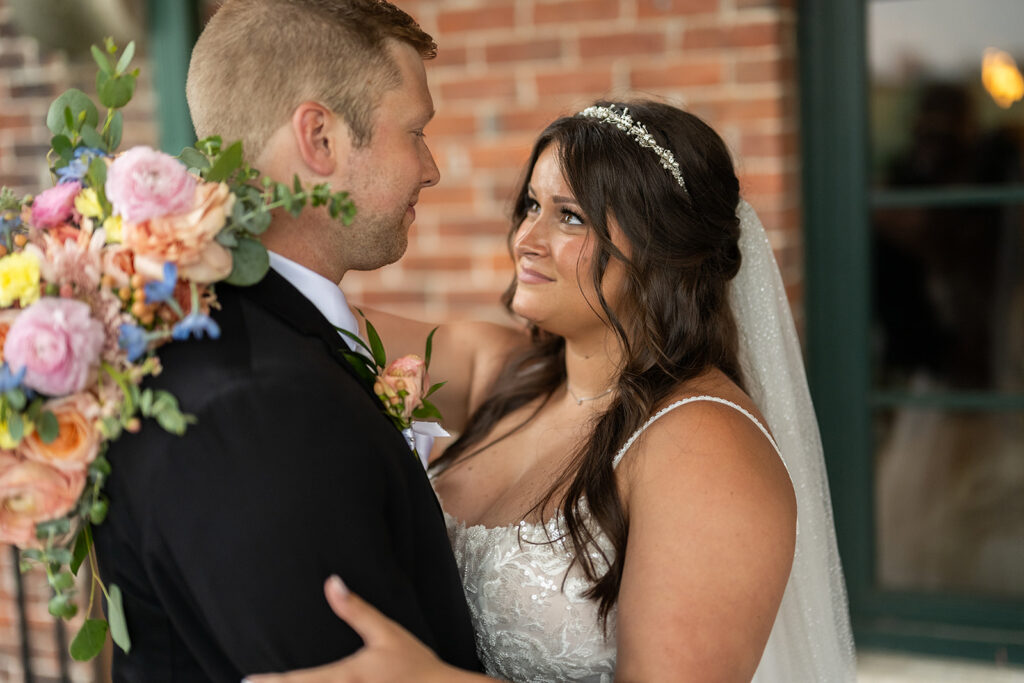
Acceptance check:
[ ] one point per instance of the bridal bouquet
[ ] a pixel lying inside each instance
(121, 256)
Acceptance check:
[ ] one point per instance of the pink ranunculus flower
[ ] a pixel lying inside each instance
(408, 374)
(31, 492)
(143, 183)
(58, 342)
(55, 206)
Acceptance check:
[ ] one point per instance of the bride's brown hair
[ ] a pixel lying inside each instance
(674, 321)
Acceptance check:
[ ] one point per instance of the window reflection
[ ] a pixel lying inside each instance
(949, 509)
(936, 118)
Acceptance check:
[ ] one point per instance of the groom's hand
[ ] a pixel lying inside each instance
(389, 653)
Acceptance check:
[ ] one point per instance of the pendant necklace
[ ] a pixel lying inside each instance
(579, 400)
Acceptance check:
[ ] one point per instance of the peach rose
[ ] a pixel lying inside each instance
(31, 492)
(406, 374)
(186, 239)
(78, 441)
(116, 261)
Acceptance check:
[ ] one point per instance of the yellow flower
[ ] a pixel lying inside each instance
(19, 279)
(88, 204)
(113, 228)
(7, 441)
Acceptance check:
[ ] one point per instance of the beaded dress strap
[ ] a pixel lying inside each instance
(692, 399)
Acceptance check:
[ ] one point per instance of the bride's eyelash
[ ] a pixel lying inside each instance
(573, 214)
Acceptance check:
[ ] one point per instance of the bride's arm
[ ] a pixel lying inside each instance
(712, 526)
(466, 355)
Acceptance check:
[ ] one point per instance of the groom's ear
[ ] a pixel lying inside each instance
(322, 137)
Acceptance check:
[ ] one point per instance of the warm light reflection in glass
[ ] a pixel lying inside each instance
(1001, 77)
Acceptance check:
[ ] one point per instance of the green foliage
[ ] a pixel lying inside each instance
(48, 427)
(83, 543)
(89, 640)
(118, 624)
(163, 407)
(250, 262)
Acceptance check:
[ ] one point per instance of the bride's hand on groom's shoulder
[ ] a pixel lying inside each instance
(389, 653)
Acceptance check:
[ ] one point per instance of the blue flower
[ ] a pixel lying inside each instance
(9, 380)
(78, 167)
(196, 324)
(162, 290)
(9, 222)
(133, 340)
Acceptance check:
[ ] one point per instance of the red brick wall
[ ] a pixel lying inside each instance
(505, 68)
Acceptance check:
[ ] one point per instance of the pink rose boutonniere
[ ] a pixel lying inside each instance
(402, 387)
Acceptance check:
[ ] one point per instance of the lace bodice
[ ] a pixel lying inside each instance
(529, 625)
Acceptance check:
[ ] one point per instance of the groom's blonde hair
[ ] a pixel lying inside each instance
(257, 60)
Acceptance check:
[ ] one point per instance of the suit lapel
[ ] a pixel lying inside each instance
(278, 296)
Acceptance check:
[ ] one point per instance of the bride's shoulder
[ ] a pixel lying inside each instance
(711, 444)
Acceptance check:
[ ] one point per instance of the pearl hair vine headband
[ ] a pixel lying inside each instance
(624, 122)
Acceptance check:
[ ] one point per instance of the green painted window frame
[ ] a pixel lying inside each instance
(837, 202)
(173, 27)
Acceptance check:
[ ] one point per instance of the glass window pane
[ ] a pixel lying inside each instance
(950, 502)
(948, 300)
(946, 91)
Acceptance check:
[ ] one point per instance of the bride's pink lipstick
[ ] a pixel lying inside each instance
(532, 277)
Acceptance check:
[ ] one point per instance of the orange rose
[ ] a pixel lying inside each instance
(78, 441)
(186, 239)
(31, 492)
(7, 317)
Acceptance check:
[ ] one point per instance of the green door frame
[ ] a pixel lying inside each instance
(835, 135)
(173, 27)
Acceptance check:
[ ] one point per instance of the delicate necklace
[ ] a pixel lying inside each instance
(579, 400)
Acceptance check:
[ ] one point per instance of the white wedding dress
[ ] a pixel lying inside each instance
(530, 626)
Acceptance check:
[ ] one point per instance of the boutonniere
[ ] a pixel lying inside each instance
(402, 386)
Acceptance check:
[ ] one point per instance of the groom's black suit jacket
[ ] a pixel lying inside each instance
(220, 540)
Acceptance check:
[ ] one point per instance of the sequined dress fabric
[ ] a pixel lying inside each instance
(529, 625)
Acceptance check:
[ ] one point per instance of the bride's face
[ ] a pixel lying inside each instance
(554, 249)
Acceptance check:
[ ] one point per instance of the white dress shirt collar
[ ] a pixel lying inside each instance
(321, 292)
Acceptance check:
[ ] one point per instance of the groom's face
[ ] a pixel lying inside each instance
(385, 176)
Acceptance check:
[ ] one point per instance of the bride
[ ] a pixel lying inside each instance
(638, 490)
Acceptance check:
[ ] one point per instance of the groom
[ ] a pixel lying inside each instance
(220, 540)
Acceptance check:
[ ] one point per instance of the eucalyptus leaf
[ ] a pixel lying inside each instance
(91, 137)
(250, 263)
(115, 91)
(49, 428)
(16, 399)
(118, 625)
(194, 159)
(63, 581)
(15, 426)
(89, 640)
(227, 238)
(77, 102)
(61, 606)
(146, 402)
(100, 465)
(126, 57)
(62, 146)
(83, 542)
(227, 163)
(101, 60)
(60, 555)
(376, 345)
(258, 222)
(98, 511)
